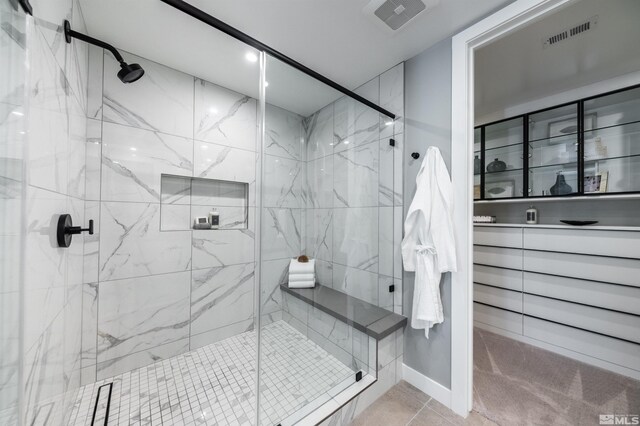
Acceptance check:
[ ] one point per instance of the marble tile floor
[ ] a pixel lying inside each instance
(214, 385)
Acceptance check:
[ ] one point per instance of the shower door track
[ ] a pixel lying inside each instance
(247, 39)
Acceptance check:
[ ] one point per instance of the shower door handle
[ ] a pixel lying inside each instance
(66, 230)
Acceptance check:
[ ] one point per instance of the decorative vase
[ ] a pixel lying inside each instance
(561, 187)
(476, 165)
(497, 166)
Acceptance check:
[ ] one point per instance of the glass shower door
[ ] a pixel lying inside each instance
(13, 68)
(328, 193)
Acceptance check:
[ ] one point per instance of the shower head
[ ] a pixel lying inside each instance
(128, 72)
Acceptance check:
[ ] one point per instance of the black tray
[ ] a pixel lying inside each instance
(579, 222)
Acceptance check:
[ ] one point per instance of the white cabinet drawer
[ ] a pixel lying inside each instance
(602, 243)
(496, 256)
(498, 277)
(500, 318)
(603, 295)
(500, 298)
(614, 324)
(498, 237)
(605, 348)
(596, 268)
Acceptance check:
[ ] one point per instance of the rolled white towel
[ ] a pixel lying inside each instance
(296, 267)
(302, 277)
(301, 284)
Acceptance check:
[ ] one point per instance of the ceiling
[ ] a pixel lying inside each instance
(517, 69)
(333, 37)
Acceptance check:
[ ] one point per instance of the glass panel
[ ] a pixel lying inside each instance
(612, 110)
(13, 29)
(504, 133)
(504, 174)
(477, 139)
(612, 175)
(553, 180)
(554, 123)
(553, 151)
(165, 297)
(329, 194)
(612, 148)
(506, 184)
(612, 159)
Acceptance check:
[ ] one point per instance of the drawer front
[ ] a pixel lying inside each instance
(614, 324)
(496, 256)
(500, 298)
(498, 318)
(498, 277)
(605, 348)
(603, 295)
(498, 237)
(596, 268)
(602, 243)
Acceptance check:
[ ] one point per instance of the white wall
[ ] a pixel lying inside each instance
(516, 108)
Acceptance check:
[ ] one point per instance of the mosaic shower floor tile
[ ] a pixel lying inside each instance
(215, 385)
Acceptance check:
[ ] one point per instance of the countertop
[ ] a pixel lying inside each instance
(594, 227)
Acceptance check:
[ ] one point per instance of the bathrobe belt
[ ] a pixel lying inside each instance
(424, 249)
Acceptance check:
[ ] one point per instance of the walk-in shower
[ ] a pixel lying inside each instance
(153, 319)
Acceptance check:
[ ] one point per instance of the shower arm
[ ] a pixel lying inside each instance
(69, 34)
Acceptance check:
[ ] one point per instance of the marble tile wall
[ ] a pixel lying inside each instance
(153, 288)
(42, 154)
(354, 192)
(132, 294)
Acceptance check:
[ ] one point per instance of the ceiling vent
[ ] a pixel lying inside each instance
(395, 14)
(571, 32)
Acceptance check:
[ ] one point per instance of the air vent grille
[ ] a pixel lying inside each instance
(570, 32)
(396, 13)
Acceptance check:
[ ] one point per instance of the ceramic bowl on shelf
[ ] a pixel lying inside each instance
(496, 166)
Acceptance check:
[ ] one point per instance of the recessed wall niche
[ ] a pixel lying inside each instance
(184, 198)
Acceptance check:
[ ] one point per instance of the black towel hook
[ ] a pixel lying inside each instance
(415, 155)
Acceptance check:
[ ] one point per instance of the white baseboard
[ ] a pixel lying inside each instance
(427, 385)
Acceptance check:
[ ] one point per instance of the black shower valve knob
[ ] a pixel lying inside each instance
(66, 230)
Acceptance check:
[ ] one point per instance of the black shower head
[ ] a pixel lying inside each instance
(130, 72)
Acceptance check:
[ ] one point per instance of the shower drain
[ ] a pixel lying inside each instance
(102, 404)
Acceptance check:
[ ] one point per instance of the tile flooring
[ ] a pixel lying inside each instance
(517, 383)
(215, 384)
(404, 405)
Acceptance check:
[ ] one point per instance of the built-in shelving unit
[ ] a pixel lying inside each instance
(590, 147)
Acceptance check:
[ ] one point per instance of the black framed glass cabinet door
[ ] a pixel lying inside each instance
(503, 158)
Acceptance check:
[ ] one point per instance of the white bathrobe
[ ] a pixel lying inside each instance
(428, 247)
